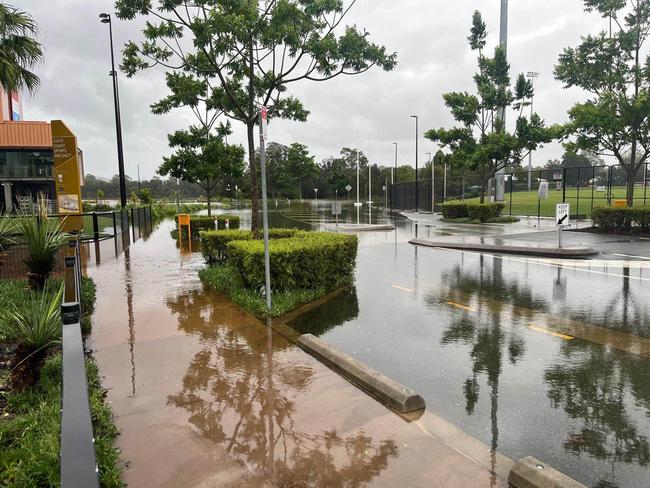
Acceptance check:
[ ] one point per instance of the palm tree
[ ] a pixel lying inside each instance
(19, 51)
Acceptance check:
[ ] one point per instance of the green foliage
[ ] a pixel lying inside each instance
(19, 51)
(612, 67)
(622, 220)
(29, 437)
(481, 143)
(161, 211)
(36, 322)
(6, 232)
(230, 222)
(454, 210)
(145, 196)
(307, 261)
(225, 279)
(214, 244)
(43, 238)
(472, 211)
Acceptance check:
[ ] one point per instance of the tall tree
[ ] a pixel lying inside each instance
(481, 142)
(611, 67)
(240, 55)
(204, 159)
(19, 51)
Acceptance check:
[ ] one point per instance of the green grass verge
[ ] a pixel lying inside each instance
(524, 203)
(467, 220)
(226, 280)
(30, 428)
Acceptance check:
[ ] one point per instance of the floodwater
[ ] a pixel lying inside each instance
(513, 356)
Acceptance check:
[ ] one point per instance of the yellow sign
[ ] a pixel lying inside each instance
(620, 203)
(67, 177)
(183, 219)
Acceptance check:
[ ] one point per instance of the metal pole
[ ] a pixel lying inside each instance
(265, 220)
(512, 180)
(118, 118)
(532, 75)
(564, 185)
(503, 41)
(357, 169)
(433, 185)
(139, 189)
(645, 182)
(444, 189)
(417, 186)
(370, 176)
(392, 176)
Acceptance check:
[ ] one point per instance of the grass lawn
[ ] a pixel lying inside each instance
(525, 203)
(225, 279)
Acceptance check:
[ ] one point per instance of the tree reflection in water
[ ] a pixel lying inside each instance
(241, 390)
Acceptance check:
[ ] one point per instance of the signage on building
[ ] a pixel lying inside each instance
(67, 178)
(15, 107)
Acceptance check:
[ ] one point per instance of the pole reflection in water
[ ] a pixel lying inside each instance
(128, 280)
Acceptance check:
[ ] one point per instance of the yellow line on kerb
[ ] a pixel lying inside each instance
(550, 332)
(461, 306)
(404, 289)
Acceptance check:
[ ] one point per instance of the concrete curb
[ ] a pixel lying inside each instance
(363, 227)
(394, 394)
(532, 473)
(533, 250)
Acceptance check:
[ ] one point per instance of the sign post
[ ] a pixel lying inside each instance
(562, 219)
(67, 173)
(265, 207)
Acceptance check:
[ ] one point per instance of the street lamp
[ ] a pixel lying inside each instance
(316, 190)
(433, 185)
(531, 76)
(417, 189)
(393, 173)
(106, 19)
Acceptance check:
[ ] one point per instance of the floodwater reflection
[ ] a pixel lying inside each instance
(240, 390)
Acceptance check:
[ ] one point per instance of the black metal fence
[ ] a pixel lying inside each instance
(78, 463)
(584, 188)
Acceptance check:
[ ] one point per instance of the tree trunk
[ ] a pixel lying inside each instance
(253, 170)
(208, 197)
(482, 194)
(630, 188)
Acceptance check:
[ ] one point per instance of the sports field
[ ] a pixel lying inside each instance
(525, 203)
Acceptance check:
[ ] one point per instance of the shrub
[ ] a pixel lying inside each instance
(214, 244)
(307, 261)
(485, 211)
(625, 219)
(454, 210)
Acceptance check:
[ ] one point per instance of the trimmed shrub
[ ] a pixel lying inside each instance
(625, 219)
(454, 210)
(486, 211)
(232, 220)
(307, 261)
(199, 223)
(214, 243)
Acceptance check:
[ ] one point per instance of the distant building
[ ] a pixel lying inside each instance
(26, 157)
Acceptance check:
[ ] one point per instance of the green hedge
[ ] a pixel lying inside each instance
(625, 219)
(200, 223)
(214, 243)
(233, 222)
(481, 212)
(307, 261)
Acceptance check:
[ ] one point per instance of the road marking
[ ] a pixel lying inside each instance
(461, 306)
(550, 332)
(628, 256)
(404, 289)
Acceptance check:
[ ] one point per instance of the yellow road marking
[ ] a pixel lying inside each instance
(461, 306)
(550, 332)
(404, 289)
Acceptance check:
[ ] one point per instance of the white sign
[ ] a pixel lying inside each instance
(336, 208)
(562, 214)
(264, 116)
(542, 193)
(600, 188)
(348, 188)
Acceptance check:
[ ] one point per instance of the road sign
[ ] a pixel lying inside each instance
(348, 188)
(542, 193)
(264, 113)
(336, 208)
(562, 214)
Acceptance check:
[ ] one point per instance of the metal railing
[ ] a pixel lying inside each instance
(78, 462)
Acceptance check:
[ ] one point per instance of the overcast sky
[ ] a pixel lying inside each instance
(428, 35)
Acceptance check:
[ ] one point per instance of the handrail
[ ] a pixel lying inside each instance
(78, 462)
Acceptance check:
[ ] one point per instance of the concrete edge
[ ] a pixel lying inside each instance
(363, 227)
(567, 252)
(532, 473)
(390, 392)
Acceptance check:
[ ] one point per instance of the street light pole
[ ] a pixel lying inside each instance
(370, 175)
(393, 173)
(503, 41)
(531, 75)
(417, 186)
(139, 189)
(106, 19)
(433, 185)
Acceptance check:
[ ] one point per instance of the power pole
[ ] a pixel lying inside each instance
(503, 41)
(532, 75)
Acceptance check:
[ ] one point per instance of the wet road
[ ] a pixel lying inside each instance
(528, 356)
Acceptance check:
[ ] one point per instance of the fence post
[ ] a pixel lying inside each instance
(462, 193)
(539, 202)
(564, 185)
(645, 182)
(95, 227)
(593, 184)
(578, 195)
(609, 186)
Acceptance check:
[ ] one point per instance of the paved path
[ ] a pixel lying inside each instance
(207, 396)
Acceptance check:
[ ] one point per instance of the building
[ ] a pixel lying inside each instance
(26, 158)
